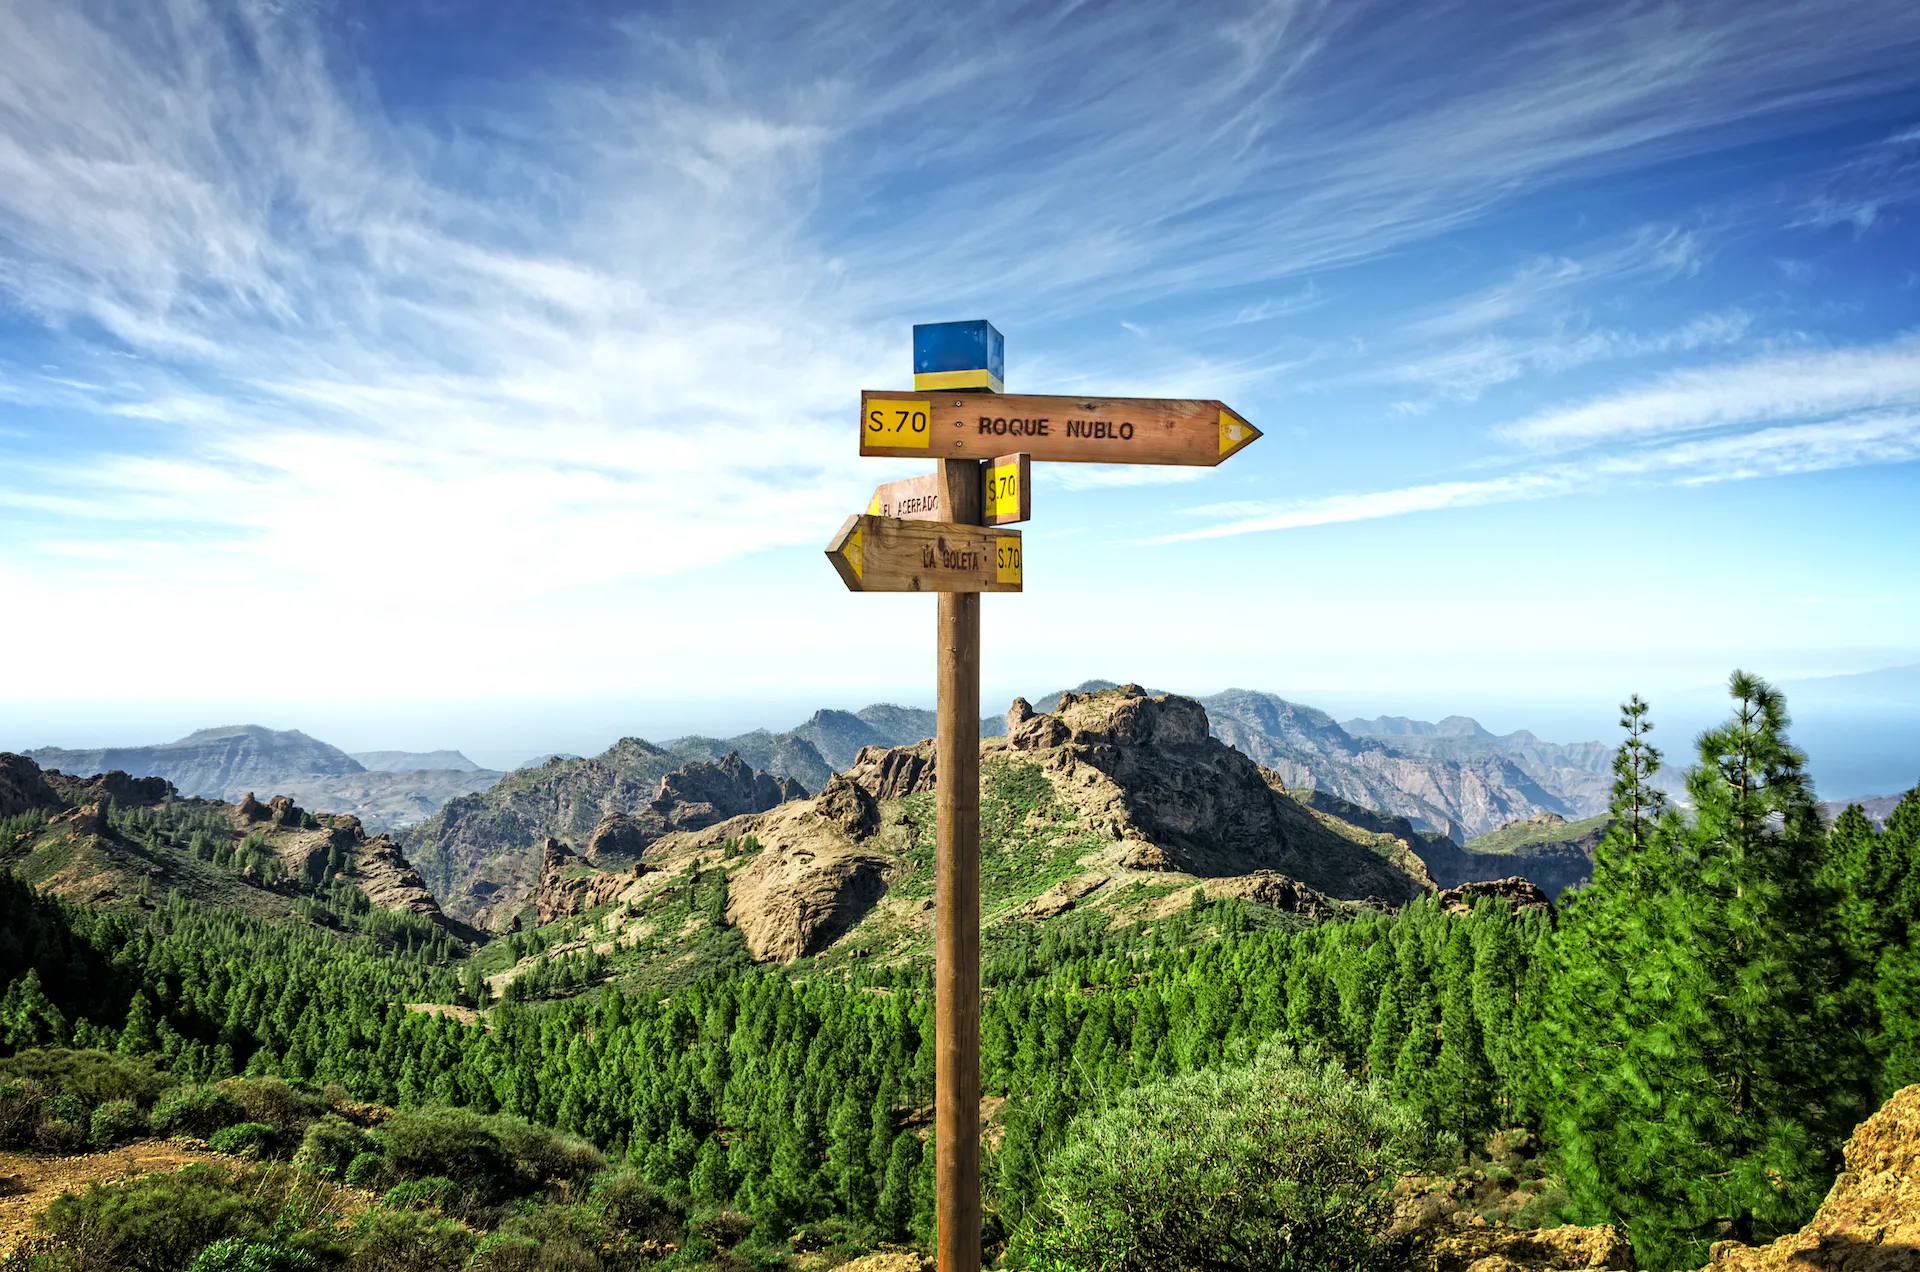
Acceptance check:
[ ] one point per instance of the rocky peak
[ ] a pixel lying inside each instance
(697, 795)
(1184, 801)
(252, 810)
(894, 772)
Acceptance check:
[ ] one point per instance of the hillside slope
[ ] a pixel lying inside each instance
(114, 839)
(482, 852)
(1119, 803)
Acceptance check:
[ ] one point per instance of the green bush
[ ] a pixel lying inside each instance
(331, 1144)
(116, 1122)
(232, 1254)
(245, 1139)
(638, 1208)
(93, 1076)
(196, 1110)
(365, 1170)
(286, 1107)
(436, 1192)
(1281, 1163)
(541, 1153)
(567, 1238)
(507, 1252)
(410, 1241)
(493, 1157)
(157, 1223)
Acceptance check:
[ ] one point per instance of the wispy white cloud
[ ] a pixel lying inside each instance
(1869, 438)
(1774, 387)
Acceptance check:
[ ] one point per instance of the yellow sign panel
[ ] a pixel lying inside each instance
(852, 553)
(1003, 492)
(898, 423)
(1006, 560)
(1233, 431)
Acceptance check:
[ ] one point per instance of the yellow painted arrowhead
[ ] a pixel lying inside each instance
(851, 553)
(873, 508)
(1234, 432)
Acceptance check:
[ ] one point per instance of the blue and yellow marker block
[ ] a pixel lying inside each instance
(958, 355)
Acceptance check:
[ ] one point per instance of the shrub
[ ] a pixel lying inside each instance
(331, 1144)
(244, 1139)
(638, 1208)
(20, 1101)
(116, 1122)
(567, 1238)
(410, 1241)
(436, 1192)
(58, 1135)
(157, 1223)
(1277, 1163)
(94, 1076)
(196, 1110)
(542, 1153)
(232, 1254)
(287, 1108)
(365, 1170)
(457, 1143)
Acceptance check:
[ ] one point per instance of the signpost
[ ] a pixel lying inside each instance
(934, 533)
(1007, 495)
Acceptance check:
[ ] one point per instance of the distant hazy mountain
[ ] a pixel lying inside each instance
(211, 762)
(229, 763)
(414, 761)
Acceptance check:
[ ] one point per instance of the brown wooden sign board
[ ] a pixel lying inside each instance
(1082, 430)
(885, 554)
(1006, 494)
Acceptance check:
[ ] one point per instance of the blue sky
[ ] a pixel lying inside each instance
(365, 362)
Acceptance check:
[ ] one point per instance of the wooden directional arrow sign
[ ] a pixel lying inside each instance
(885, 554)
(1006, 494)
(1063, 429)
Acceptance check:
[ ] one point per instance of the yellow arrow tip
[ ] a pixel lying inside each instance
(1234, 432)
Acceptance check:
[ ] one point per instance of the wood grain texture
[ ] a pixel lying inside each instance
(909, 499)
(1075, 430)
(918, 498)
(956, 938)
(884, 554)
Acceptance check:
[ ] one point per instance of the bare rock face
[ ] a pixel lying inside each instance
(894, 772)
(1870, 1221)
(1521, 894)
(617, 842)
(285, 812)
(1498, 1248)
(698, 795)
(792, 901)
(23, 788)
(568, 885)
(1181, 800)
(850, 806)
(252, 810)
(1063, 896)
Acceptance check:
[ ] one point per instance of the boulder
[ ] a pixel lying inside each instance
(794, 901)
(284, 811)
(1520, 893)
(850, 806)
(1870, 1221)
(252, 810)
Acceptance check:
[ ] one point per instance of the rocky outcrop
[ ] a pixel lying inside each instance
(569, 885)
(616, 842)
(123, 790)
(695, 796)
(1496, 1247)
(1550, 865)
(1870, 1221)
(285, 811)
(1178, 799)
(1265, 887)
(1522, 894)
(795, 900)
(252, 810)
(23, 788)
(850, 806)
(896, 772)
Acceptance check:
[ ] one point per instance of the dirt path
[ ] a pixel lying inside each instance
(29, 1182)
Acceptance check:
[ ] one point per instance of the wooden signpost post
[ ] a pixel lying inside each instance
(935, 533)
